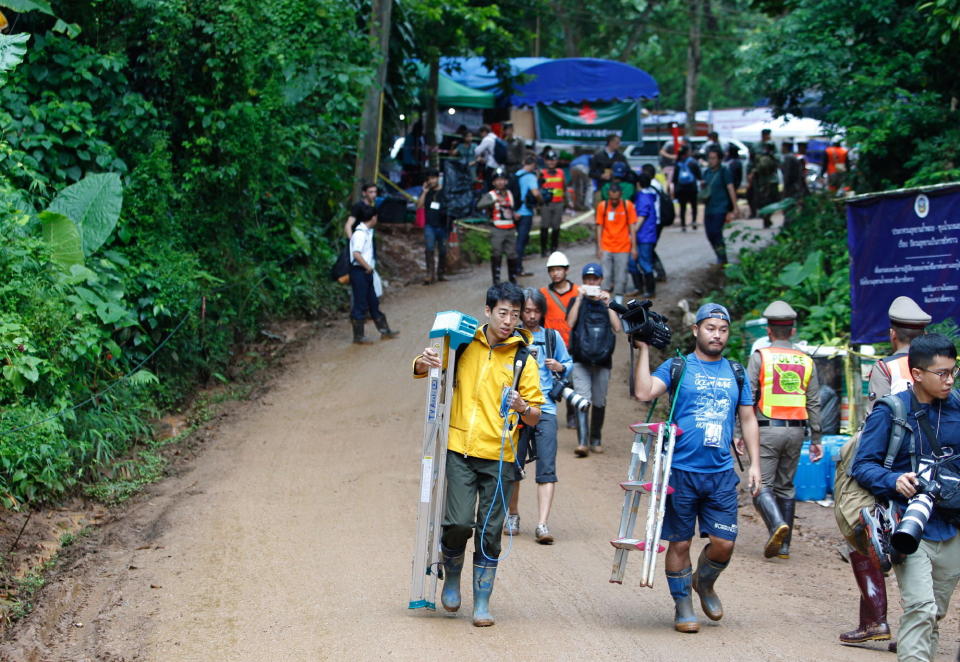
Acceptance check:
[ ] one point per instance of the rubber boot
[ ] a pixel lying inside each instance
(766, 504)
(513, 269)
(386, 333)
(571, 417)
(873, 601)
(788, 508)
(428, 280)
(554, 239)
(495, 263)
(452, 568)
(637, 277)
(703, 581)
(684, 619)
(441, 267)
(583, 433)
(651, 285)
(658, 269)
(543, 241)
(358, 337)
(484, 573)
(596, 428)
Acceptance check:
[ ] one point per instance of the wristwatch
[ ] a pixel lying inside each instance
(526, 411)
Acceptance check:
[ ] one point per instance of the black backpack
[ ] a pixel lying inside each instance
(665, 207)
(513, 185)
(676, 371)
(500, 151)
(523, 351)
(593, 340)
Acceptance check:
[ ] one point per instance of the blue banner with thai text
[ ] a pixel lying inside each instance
(903, 244)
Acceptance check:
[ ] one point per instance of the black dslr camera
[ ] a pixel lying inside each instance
(641, 323)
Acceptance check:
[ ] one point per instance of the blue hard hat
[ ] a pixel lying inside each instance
(592, 269)
(712, 310)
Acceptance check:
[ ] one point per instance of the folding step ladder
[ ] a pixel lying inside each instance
(450, 330)
(656, 441)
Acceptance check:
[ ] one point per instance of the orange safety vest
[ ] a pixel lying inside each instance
(835, 156)
(897, 368)
(556, 316)
(784, 377)
(553, 182)
(502, 213)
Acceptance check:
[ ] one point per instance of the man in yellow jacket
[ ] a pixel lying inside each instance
(480, 462)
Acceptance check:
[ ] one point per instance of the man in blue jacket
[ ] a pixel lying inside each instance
(928, 576)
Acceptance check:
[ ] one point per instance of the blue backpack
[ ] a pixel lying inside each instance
(685, 175)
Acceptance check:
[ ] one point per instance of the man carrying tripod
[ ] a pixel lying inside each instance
(928, 576)
(708, 393)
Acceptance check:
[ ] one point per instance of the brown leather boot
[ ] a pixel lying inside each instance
(873, 602)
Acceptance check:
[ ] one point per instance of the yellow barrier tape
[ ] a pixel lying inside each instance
(402, 192)
(533, 233)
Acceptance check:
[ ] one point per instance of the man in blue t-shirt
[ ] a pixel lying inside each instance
(704, 482)
(527, 179)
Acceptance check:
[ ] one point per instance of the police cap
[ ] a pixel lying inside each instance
(905, 312)
(780, 313)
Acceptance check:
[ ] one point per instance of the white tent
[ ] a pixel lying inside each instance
(798, 128)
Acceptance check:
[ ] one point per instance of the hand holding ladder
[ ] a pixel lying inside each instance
(450, 330)
(656, 440)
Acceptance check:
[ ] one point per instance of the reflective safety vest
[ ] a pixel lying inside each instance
(502, 213)
(554, 183)
(898, 369)
(784, 376)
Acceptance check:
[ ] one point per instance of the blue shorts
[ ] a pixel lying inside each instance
(709, 497)
(544, 445)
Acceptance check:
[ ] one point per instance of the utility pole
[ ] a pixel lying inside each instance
(430, 126)
(693, 63)
(371, 120)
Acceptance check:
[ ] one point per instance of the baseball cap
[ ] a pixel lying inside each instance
(712, 310)
(592, 269)
(619, 169)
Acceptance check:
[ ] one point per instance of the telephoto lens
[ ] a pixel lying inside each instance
(574, 400)
(906, 539)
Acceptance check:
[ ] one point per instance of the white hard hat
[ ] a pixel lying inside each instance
(557, 259)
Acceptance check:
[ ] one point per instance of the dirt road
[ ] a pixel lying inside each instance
(290, 537)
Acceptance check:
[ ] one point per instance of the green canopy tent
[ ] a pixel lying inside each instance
(452, 94)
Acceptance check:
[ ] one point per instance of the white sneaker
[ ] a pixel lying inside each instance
(543, 535)
(511, 525)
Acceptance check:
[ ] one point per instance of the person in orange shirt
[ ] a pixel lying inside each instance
(836, 164)
(616, 240)
(560, 294)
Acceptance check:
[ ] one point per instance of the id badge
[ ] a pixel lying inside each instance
(507, 213)
(712, 435)
(435, 206)
(611, 216)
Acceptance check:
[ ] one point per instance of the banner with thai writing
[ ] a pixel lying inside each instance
(904, 243)
(588, 122)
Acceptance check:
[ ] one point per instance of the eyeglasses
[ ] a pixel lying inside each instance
(944, 374)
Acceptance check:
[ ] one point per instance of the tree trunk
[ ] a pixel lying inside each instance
(430, 126)
(693, 63)
(571, 33)
(368, 156)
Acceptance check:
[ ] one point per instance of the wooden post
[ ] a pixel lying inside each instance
(693, 64)
(371, 119)
(430, 126)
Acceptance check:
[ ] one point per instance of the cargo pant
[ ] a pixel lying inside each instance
(474, 502)
(779, 456)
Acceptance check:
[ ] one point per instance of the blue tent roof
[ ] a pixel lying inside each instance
(472, 72)
(575, 80)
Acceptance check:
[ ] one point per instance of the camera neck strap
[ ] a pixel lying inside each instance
(924, 422)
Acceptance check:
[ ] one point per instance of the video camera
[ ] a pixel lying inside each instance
(643, 324)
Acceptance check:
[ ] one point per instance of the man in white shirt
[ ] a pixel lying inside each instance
(485, 154)
(365, 282)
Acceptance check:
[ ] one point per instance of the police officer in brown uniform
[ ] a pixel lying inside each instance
(787, 390)
(890, 375)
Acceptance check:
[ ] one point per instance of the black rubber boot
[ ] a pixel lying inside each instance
(583, 433)
(651, 285)
(658, 269)
(788, 508)
(571, 417)
(596, 428)
(554, 239)
(385, 331)
(495, 263)
(543, 241)
(703, 581)
(441, 266)
(513, 269)
(429, 277)
(766, 504)
(637, 277)
(358, 337)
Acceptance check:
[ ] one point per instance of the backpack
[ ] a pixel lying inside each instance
(523, 351)
(665, 206)
(685, 174)
(849, 496)
(592, 340)
(676, 372)
(500, 151)
(513, 185)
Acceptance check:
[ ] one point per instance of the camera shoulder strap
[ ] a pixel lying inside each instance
(899, 428)
(551, 340)
(740, 375)
(556, 299)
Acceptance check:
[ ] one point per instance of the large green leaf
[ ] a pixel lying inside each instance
(12, 50)
(63, 237)
(23, 6)
(94, 205)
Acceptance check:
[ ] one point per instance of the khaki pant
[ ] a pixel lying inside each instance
(779, 456)
(615, 276)
(927, 579)
(474, 503)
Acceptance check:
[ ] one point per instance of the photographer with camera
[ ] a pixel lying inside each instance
(539, 443)
(709, 392)
(927, 576)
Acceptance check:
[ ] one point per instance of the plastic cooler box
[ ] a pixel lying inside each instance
(810, 480)
(832, 443)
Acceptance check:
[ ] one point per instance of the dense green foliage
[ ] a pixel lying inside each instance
(231, 127)
(807, 264)
(882, 72)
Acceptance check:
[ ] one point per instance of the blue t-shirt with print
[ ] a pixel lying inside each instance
(527, 181)
(560, 354)
(706, 411)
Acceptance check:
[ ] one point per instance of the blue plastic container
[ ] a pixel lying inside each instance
(832, 443)
(809, 481)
